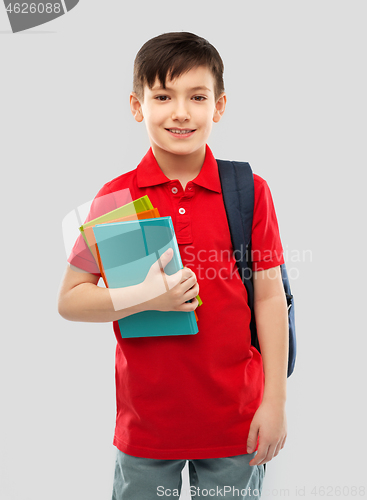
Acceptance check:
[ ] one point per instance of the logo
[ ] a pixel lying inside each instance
(28, 14)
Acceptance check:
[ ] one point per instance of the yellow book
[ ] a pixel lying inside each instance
(140, 205)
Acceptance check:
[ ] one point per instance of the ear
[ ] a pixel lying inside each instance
(135, 107)
(220, 106)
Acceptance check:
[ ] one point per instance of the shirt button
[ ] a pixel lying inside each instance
(182, 210)
(189, 189)
(174, 190)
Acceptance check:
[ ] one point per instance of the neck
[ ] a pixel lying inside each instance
(182, 167)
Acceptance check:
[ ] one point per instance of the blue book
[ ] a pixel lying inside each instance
(127, 250)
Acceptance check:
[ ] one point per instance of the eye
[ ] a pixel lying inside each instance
(161, 98)
(199, 97)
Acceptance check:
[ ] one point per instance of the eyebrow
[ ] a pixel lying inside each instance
(193, 88)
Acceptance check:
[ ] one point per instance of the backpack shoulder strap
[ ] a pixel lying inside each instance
(237, 183)
(238, 194)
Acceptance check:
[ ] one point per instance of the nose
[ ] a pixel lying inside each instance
(180, 112)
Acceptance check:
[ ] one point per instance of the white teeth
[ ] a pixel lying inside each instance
(179, 131)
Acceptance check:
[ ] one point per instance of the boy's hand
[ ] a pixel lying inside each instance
(270, 424)
(170, 293)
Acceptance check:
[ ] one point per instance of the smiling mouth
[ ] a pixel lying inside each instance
(180, 131)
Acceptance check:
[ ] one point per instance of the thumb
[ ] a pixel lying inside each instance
(166, 257)
(252, 438)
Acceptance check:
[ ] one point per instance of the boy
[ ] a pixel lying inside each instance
(209, 398)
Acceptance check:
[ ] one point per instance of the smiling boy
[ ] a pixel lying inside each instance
(209, 398)
(188, 106)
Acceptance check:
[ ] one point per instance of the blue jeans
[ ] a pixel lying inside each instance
(150, 479)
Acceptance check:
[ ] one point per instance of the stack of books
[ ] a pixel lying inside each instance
(125, 243)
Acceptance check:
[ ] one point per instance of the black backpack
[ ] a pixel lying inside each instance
(238, 195)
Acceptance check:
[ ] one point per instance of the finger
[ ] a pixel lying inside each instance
(187, 273)
(165, 258)
(277, 449)
(269, 455)
(189, 284)
(191, 278)
(181, 276)
(189, 306)
(186, 287)
(283, 442)
(191, 292)
(260, 455)
(252, 438)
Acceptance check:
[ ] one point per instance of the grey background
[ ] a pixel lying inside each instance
(295, 80)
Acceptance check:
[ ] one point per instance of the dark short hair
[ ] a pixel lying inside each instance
(172, 54)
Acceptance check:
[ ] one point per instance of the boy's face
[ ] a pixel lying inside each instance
(181, 106)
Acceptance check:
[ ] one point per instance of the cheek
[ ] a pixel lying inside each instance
(156, 119)
(208, 125)
(206, 119)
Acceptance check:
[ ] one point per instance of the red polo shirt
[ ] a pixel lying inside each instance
(191, 396)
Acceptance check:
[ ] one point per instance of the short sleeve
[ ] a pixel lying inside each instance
(104, 202)
(266, 246)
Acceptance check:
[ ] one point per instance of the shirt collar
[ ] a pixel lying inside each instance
(149, 172)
